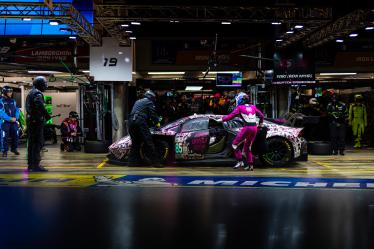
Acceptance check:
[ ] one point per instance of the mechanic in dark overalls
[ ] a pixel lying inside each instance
(35, 119)
(142, 116)
(337, 112)
(9, 125)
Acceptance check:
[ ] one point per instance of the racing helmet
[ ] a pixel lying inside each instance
(150, 95)
(242, 100)
(73, 114)
(40, 83)
(6, 89)
(238, 97)
(359, 97)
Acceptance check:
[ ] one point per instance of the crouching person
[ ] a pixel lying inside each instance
(70, 133)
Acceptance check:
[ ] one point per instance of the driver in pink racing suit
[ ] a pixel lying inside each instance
(247, 134)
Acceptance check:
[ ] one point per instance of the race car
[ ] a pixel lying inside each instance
(202, 138)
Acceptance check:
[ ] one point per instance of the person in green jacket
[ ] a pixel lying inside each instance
(358, 119)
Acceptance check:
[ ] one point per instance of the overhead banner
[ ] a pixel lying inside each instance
(293, 68)
(111, 62)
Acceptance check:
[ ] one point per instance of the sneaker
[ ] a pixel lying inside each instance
(249, 167)
(238, 165)
(15, 152)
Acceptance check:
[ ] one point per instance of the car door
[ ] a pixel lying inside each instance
(192, 141)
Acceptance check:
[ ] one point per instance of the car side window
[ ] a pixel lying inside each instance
(195, 125)
(233, 124)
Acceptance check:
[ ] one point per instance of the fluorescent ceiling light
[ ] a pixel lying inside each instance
(85, 71)
(339, 40)
(193, 88)
(276, 23)
(54, 22)
(290, 32)
(132, 38)
(135, 23)
(299, 26)
(43, 72)
(225, 23)
(166, 73)
(353, 35)
(369, 28)
(124, 25)
(279, 40)
(128, 31)
(26, 19)
(73, 37)
(215, 72)
(327, 74)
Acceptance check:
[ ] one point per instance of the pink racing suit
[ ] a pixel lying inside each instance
(247, 133)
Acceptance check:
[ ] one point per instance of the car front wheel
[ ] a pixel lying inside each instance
(279, 152)
(162, 148)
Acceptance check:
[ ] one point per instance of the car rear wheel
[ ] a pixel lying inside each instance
(279, 152)
(162, 148)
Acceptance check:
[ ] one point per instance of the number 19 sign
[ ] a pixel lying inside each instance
(111, 62)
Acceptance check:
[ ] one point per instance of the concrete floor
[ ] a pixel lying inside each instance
(84, 202)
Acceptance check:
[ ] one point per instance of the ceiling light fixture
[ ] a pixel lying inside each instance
(43, 72)
(135, 23)
(332, 74)
(132, 38)
(72, 37)
(54, 22)
(299, 26)
(128, 31)
(124, 25)
(290, 32)
(278, 40)
(276, 23)
(194, 88)
(369, 28)
(353, 35)
(26, 19)
(226, 23)
(223, 72)
(166, 73)
(339, 40)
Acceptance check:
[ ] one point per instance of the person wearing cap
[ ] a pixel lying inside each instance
(3, 117)
(143, 115)
(35, 119)
(358, 119)
(9, 126)
(70, 132)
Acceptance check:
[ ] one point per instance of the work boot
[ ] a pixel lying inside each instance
(238, 165)
(15, 152)
(38, 169)
(5, 154)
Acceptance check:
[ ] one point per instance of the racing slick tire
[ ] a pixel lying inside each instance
(162, 148)
(279, 152)
(95, 147)
(319, 148)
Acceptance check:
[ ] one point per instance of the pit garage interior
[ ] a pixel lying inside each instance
(100, 56)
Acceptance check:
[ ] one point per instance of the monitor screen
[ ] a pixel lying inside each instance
(229, 79)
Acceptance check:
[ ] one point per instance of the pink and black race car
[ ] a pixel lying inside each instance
(201, 138)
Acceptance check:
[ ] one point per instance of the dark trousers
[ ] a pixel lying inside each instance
(35, 141)
(337, 136)
(139, 133)
(10, 131)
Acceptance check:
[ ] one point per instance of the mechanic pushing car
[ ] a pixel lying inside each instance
(9, 126)
(247, 134)
(142, 117)
(35, 119)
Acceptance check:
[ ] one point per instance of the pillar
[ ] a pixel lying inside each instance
(119, 113)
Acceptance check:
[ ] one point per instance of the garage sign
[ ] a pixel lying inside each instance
(111, 62)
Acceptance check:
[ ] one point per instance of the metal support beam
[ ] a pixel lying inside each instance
(340, 28)
(66, 13)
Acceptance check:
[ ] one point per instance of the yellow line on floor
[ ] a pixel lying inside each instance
(102, 163)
